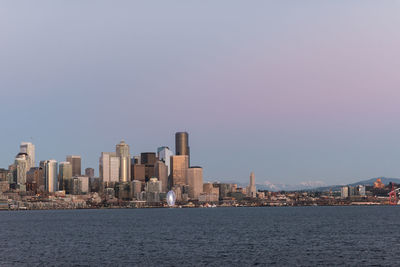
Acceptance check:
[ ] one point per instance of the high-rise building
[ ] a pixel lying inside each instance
(104, 167)
(195, 181)
(109, 167)
(115, 169)
(135, 160)
(179, 165)
(75, 186)
(161, 172)
(139, 172)
(182, 144)
(76, 163)
(35, 176)
(64, 173)
(164, 154)
(122, 151)
(84, 183)
(89, 172)
(29, 149)
(51, 181)
(344, 192)
(21, 168)
(252, 192)
(148, 159)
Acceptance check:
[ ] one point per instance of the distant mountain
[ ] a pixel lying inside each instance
(267, 185)
(369, 182)
(313, 185)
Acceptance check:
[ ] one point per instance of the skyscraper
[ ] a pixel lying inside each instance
(252, 192)
(138, 172)
(164, 154)
(148, 159)
(195, 181)
(51, 181)
(36, 177)
(161, 172)
(84, 183)
(64, 173)
(182, 144)
(179, 165)
(76, 162)
(21, 168)
(109, 166)
(29, 149)
(122, 151)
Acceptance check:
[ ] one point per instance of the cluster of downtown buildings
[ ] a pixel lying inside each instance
(145, 178)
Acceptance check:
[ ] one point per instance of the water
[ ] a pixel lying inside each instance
(300, 236)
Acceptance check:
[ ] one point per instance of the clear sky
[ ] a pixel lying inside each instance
(292, 90)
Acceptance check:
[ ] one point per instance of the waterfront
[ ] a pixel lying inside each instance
(221, 236)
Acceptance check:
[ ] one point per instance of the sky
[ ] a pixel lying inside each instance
(292, 90)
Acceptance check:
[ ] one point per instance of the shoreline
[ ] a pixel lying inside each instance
(188, 207)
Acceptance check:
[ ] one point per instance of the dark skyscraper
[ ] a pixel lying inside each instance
(148, 159)
(76, 164)
(182, 144)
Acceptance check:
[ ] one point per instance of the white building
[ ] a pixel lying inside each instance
(344, 192)
(29, 149)
(84, 181)
(109, 167)
(164, 154)
(21, 168)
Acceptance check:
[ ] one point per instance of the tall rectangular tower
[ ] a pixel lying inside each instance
(179, 165)
(109, 167)
(195, 181)
(182, 145)
(29, 149)
(51, 180)
(76, 162)
(64, 173)
(252, 192)
(161, 172)
(164, 154)
(122, 151)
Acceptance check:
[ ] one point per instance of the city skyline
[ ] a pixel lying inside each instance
(81, 170)
(199, 133)
(293, 92)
